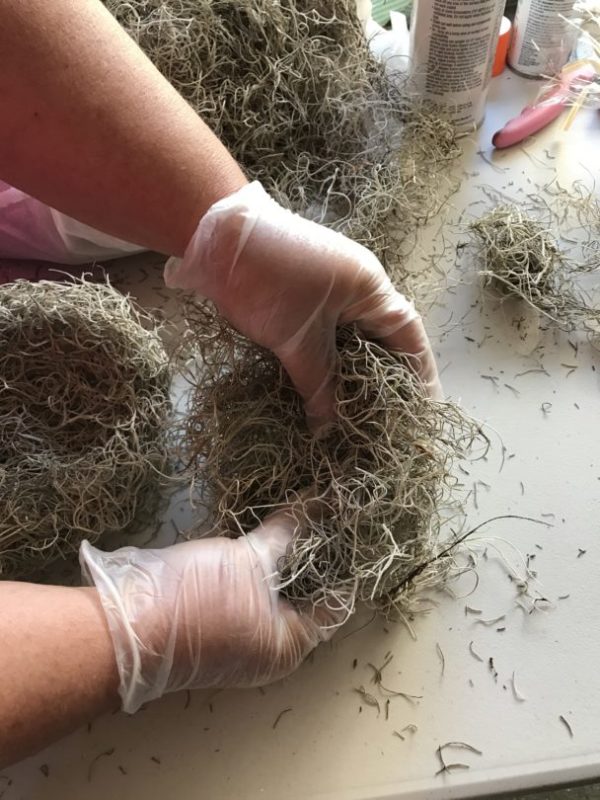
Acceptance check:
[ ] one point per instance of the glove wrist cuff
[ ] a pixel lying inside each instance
(218, 241)
(127, 594)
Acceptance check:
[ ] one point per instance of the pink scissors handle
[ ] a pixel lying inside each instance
(535, 117)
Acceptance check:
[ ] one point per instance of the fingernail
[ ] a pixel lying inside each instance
(436, 392)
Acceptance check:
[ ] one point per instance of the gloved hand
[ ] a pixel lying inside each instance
(286, 283)
(204, 613)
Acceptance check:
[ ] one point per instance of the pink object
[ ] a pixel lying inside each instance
(547, 108)
(31, 230)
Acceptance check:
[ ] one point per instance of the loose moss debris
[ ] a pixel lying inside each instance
(378, 671)
(567, 725)
(473, 653)
(280, 715)
(489, 622)
(516, 693)
(445, 767)
(84, 401)
(522, 258)
(94, 761)
(368, 699)
(440, 654)
(400, 734)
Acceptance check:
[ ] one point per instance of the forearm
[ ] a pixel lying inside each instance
(91, 128)
(57, 665)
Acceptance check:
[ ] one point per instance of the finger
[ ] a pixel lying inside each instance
(327, 620)
(318, 623)
(276, 531)
(412, 340)
(395, 322)
(310, 364)
(270, 539)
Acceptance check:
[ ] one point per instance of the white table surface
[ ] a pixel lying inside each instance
(223, 745)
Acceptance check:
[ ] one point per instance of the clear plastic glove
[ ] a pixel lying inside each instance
(204, 613)
(31, 230)
(286, 283)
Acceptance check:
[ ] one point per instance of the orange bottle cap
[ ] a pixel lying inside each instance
(502, 47)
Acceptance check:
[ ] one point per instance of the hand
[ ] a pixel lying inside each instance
(286, 283)
(203, 613)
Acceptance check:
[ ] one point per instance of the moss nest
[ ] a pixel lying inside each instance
(521, 257)
(292, 90)
(84, 404)
(382, 478)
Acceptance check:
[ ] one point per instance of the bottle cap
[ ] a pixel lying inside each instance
(502, 47)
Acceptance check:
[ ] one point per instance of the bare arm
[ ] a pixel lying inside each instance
(90, 127)
(57, 665)
(199, 614)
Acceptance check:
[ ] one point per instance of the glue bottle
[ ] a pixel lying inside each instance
(543, 37)
(453, 44)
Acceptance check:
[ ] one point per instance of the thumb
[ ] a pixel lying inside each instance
(318, 624)
(411, 339)
(276, 532)
(270, 541)
(310, 363)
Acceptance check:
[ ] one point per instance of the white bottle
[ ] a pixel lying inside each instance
(453, 43)
(542, 37)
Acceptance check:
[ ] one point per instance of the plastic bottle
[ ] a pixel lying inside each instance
(542, 38)
(453, 44)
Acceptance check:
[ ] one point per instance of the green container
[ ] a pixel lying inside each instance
(382, 8)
